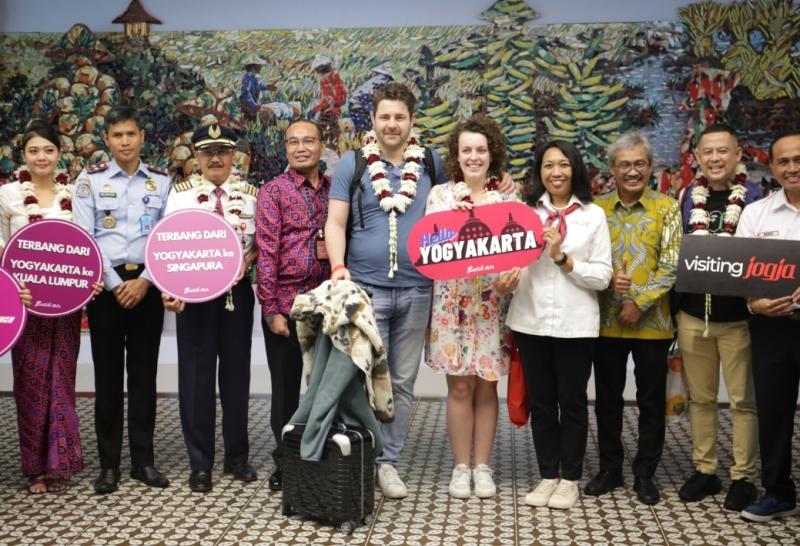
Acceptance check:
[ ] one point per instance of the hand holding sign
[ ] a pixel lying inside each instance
(508, 281)
(621, 280)
(13, 313)
(778, 307)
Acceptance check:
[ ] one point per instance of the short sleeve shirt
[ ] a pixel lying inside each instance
(368, 247)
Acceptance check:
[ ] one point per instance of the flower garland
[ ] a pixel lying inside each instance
(699, 218)
(232, 210)
(393, 203)
(63, 195)
(462, 193)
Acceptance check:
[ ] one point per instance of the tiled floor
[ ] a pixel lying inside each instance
(248, 514)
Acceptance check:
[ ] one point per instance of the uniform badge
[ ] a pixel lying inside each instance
(106, 187)
(150, 185)
(83, 189)
(109, 221)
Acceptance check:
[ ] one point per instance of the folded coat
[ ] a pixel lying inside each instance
(344, 313)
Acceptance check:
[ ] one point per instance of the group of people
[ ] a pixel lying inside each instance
(601, 291)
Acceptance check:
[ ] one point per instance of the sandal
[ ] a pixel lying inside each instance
(56, 485)
(37, 485)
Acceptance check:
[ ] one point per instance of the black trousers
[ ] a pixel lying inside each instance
(556, 374)
(650, 371)
(113, 332)
(776, 374)
(285, 361)
(207, 331)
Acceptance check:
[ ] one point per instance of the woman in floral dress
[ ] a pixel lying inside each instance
(468, 340)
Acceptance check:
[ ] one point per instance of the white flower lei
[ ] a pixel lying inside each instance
(461, 192)
(390, 202)
(63, 194)
(699, 216)
(233, 208)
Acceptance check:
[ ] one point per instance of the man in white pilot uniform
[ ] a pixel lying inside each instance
(220, 328)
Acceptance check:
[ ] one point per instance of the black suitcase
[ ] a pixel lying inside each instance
(340, 488)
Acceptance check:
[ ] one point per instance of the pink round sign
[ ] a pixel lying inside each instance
(58, 262)
(12, 313)
(487, 239)
(193, 255)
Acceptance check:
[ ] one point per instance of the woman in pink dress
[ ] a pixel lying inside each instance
(468, 340)
(44, 359)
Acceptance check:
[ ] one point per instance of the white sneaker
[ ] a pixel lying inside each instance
(541, 493)
(484, 484)
(459, 483)
(390, 483)
(565, 495)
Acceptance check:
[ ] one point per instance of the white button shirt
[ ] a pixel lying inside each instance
(772, 217)
(551, 302)
(184, 196)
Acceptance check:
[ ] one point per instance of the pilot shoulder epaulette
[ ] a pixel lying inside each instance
(250, 189)
(183, 186)
(100, 167)
(157, 170)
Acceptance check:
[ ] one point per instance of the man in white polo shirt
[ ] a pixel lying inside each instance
(775, 329)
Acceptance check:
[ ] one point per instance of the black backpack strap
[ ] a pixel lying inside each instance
(355, 184)
(430, 166)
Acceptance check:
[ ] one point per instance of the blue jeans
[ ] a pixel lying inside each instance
(403, 315)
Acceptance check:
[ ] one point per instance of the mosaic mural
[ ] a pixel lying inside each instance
(738, 63)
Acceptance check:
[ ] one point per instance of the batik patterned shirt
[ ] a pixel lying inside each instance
(648, 237)
(290, 215)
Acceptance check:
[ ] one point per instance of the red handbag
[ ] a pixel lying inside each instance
(519, 407)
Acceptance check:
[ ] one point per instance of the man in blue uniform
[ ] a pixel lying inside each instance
(118, 203)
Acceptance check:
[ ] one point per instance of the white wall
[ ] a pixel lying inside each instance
(59, 15)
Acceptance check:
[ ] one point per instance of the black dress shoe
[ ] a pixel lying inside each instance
(699, 486)
(646, 490)
(603, 482)
(107, 481)
(276, 479)
(149, 475)
(242, 471)
(741, 494)
(200, 481)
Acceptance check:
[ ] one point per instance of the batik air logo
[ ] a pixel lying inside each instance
(752, 269)
(7, 320)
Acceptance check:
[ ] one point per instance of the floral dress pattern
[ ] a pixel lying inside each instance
(467, 333)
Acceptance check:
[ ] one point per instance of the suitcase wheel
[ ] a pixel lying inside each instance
(287, 509)
(348, 527)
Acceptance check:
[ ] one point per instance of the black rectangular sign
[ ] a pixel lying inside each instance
(733, 266)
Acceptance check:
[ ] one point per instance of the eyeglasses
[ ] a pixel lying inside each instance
(306, 142)
(219, 152)
(625, 166)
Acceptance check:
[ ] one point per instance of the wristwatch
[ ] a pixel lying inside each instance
(562, 261)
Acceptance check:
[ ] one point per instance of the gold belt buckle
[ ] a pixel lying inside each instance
(131, 267)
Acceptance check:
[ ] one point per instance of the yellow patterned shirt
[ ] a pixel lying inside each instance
(648, 235)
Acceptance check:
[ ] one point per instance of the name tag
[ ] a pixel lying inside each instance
(145, 224)
(766, 234)
(108, 194)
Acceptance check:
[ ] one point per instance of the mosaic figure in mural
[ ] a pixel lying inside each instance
(251, 91)
(734, 63)
(329, 99)
(360, 102)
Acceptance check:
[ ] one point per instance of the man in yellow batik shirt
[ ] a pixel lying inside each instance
(645, 229)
